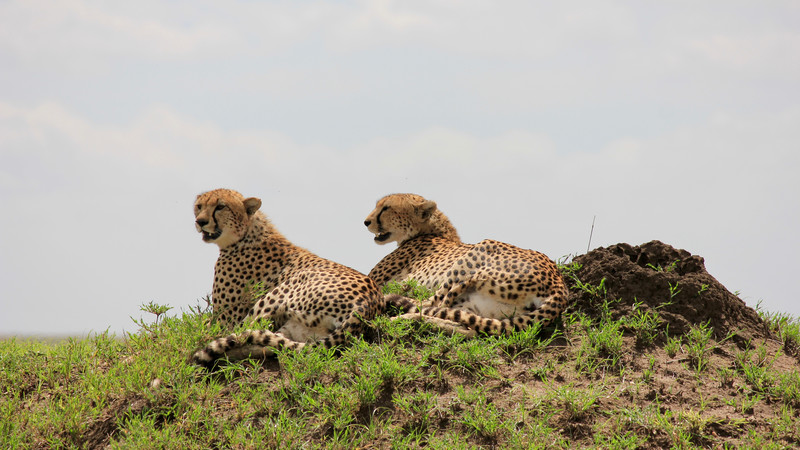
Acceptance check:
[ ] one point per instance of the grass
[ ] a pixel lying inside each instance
(593, 381)
(786, 327)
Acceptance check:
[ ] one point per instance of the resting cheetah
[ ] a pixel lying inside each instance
(308, 298)
(489, 287)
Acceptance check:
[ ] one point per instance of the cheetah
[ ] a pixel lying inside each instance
(308, 298)
(489, 287)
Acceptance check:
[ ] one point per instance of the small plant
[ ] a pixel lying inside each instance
(726, 376)
(484, 420)
(697, 348)
(203, 308)
(568, 267)
(742, 358)
(602, 347)
(526, 341)
(606, 311)
(576, 403)
(420, 410)
(786, 327)
(647, 374)
(748, 403)
(673, 290)
(758, 377)
(787, 388)
(155, 309)
(569, 270)
(474, 356)
(410, 288)
(657, 268)
(669, 268)
(151, 308)
(629, 440)
(644, 324)
(673, 345)
(599, 291)
(542, 372)
(479, 415)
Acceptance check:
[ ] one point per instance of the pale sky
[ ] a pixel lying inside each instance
(677, 121)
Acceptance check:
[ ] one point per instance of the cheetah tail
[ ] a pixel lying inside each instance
(488, 325)
(248, 344)
(404, 304)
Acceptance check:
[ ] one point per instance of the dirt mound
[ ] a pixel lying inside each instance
(674, 282)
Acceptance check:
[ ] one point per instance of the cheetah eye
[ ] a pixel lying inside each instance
(384, 208)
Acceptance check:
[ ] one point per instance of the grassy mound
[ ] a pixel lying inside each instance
(618, 371)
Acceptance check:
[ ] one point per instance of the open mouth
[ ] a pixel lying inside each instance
(211, 236)
(382, 237)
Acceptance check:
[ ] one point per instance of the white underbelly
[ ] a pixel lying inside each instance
(488, 306)
(299, 332)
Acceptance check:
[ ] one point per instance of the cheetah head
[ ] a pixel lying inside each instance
(222, 216)
(399, 217)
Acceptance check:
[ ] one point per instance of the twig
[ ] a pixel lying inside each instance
(590, 235)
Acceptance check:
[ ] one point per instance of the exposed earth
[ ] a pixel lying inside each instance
(657, 274)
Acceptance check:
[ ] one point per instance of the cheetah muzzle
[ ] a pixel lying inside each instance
(208, 236)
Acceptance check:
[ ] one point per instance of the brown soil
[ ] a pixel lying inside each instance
(647, 273)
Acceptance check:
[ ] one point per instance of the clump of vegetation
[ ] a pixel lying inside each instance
(785, 327)
(596, 379)
(410, 288)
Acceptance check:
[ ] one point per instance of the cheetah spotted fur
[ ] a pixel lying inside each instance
(308, 298)
(489, 287)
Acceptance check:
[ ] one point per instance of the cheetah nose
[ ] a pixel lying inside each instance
(202, 222)
(367, 222)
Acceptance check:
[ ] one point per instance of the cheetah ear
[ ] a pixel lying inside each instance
(427, 208)
(251, 205)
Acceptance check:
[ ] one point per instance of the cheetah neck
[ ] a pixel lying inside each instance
(430, 241)
(439, 226)
(260, 233)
